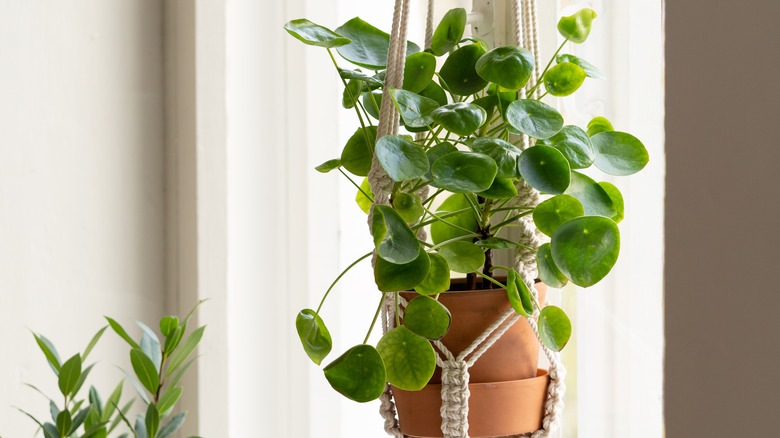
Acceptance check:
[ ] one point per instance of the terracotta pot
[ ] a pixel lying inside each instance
(495, 409)
(507, 389)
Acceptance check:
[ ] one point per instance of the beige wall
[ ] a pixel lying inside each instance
(723, 209)
(82, 199)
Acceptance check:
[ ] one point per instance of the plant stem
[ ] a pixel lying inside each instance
(512, 219)
(475, 208)
(446, 222)
(376, 315)
(352, 98)
(491, 279)
(545, 94)
(397, 314)
(455, 239)
(541, 76)
(355, 184)
(337, 280)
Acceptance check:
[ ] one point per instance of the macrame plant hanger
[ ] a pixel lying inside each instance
(455, 370)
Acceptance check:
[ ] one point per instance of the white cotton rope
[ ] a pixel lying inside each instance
(455, 375)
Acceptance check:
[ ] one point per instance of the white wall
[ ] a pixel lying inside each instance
(82, 216)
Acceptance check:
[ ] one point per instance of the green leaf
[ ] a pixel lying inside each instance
(460, 117)
(93, 342)
(545, 169)
(145, 370)
(619, 153)
(173, 339)
(427, 317)
(576, 28)
(548, 271)
(152, 420)
(95, 401)
(459, 70)
(356, 156)
(172, 425)
(554, 328)
(78, 420)
(599, 124)
(314, 34)
(534, 118)
(554, 212)
(122, 333)
(351, 91)
(574, 144)
(180, 373)
(358, 374)
(64, 422)
(496, 243)
(372, 105)
(502, 152)
(50, 431)
(69, 374)
(519, 295)
(436, 152)
(415, 109)
(54, 410)
(409, 207)
(502, 188)
(49, 351)
(437, 280)
(441, 231)
(314, 336)
(182, 353)
(140, 426)
(169, 399)
(436, 92)
(617, 200)
(590, 70)
(111, 403)
(168, 324)
(152, 350)
(82, 379)
(586, 248)
(463, 257)
(401, 159)
(391, 277)
(369, 45)
(418, 71)
(564, 79)
(149, 332)
(449, 31)
(593, 197)
(395, 242)
(371, 81)
(464, 172)
(363, 201)
(122, 416)
(508, 66)
(409, 359)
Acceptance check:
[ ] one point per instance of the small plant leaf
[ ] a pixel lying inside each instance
(576, 28)
(534, 118)
(586, 248)
(591, 70)
(593, 197)
(554, 212)
(519, 295)
(152, 350)
(362, 200)
(169, 399)
(545, 169)
(391, 277)
(508, 66)
(69, 374)
(93, 342)
(599, 124)
(172, 426)
(401, 159)
(326, 167)
(64, 422)
(437, 151)
(443, 231)
(122, 333)
(409, 207)
(505, 154)
(369, 46)
(427, 317)
(464, 172)
(564, 79)
(145, 370)
(502, 188)
(395, 242)
(617, 200)
(437, 280)
(619, 153)
(314, 34)
(78, 420)
(449, 31)
(460, 117)
(418, 71)
(152, 420)
(554, 328)
(548, 271)
(358, 374)
(415, 109)
(574, 144)
(459, 70)
(463, 257)
(371, 81)
(49, 351)
(111, 403)
(314, 336)
(409, 359)
(356, 155)
(82, 379)
(183, 352)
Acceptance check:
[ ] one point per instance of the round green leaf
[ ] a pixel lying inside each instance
(502, 152)
(463, 257)
(371, 81)
(449, 31)
(409, 359)
(554, 328)
(395, 242)
(617, 200)
(464, 172)
(534, 118)
(575, 28)
(401, 159)
(545, 169)
(619, 153)
(409, 206)
(459, 72)
(586, 248)
(436, 92)
(436, 152)
(390, 277)
(548, 271)
(460, 117)
(552, 213)
(591, 70)
(359, 374)
(372, 102)
(438, 278)
(599, 124)
(593, 197)
(502, 188)
(441, 231)
(328, 166)
(415, 109)
(363, 201)
(427, 317)
(574, 144)
(314, 336)
(508, 66)
(356, 156)
(564, 79)
(351, 91)
(519, 295)
(369, 45)
(418, 71)
(314, 34)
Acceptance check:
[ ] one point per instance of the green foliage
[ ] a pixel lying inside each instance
(468, 117)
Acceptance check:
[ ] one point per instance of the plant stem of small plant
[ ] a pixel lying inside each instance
(475, 208)
(162, 377)
(491, 279)
(541, 76)
(339, 278)
(455, 239)
(510, 220)
(545, 94)
(445, 222)
(376, 315)
(352, 98)
(397, 313)
(355, 184)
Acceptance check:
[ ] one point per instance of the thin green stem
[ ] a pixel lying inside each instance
(339, 278)
(355, 184)
(545, 94)
(376, 315)
(476, 211)
(510, 220)
(352, 98)
(500, 267)
(440, 219)
(430, 198)
(397, 313)
(455, 239)
(491, 279)
(496, 129)
(541, 76)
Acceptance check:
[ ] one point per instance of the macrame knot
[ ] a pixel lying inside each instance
(387, 410)
(455, 399)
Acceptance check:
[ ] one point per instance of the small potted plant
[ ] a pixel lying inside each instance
(468, 114)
